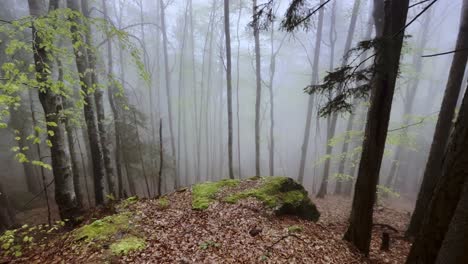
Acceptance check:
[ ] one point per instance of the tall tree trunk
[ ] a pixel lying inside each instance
(237, 92)
(443, 219)
(382, 90)
(195, 96)
(140, 153)
(444, 123)
(331, 129)
(315, 66)
(39, 155)
(258, 97)
(453, 248)
(227, 32)
(68, 104)
(112, 90)
(168, 85)
(99, 103)
(89, 108)
(61, 166)
(410, 94)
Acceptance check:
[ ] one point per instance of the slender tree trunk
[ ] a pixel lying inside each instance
(315, 67)
(227, 32)
(237, 92)
(258, 98)
(140, 154)
(112, 90)
(161, 158)
(383, 87)
(39, 156)
(168, 86)
(89, 109)
(331, 130)
(61, 166)
(99, 103)
(68, 104)
(83, 166)
(444, 123)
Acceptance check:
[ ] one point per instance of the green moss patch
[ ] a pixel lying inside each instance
(103, 229)
(283, 195)
(163, 202)
(127, 245)
(204, 194)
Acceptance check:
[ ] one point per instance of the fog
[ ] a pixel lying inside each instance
(196, 148)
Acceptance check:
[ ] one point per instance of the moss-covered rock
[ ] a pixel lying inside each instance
(204, 194)
(127, 245)
(103, 229)
(283, 195)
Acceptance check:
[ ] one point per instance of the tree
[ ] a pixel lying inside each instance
(315, 68)
(112, 91)
(432, 171)
(388, 49)
(7, 215)
(99, 103)
(52, 104)
(258, 96)
(167, 78)
(227, 33)
(86, 82)
(453, 248)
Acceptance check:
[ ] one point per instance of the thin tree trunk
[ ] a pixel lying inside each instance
(331, 130)
(99, 103)
(161, 158)
(39, 156)
(61, 166)
(227, 32)
(315, 66)
(140, 153)
(383, 87)
(442, 131)
(237, 92)
(168, 86)
(112, 90)
(84, 169)
(89, 109)
(258, 97)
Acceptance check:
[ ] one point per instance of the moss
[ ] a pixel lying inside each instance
(294, 229)
(129, 201)
(283, 195)
(163, 202)
(269, 193)
(127, 245)
(203, 194)
(103, 229)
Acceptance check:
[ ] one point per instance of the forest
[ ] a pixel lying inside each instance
(234, 131)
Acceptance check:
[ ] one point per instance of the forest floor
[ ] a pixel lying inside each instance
(225, 233)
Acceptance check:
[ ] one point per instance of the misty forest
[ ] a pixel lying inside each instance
(234, 131)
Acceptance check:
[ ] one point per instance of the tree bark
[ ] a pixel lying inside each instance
(227, 32)
(112, 90)
(7, 216)
(315, 66)
(61, 166)
(382, 89)
(442, 131)
(258, 97)
(89, 108)
(453, 248)
(168, 85)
